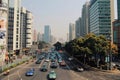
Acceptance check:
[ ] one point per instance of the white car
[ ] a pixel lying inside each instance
(70, 58)
(80, 69)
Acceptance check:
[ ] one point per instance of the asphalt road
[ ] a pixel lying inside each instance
(63, 73)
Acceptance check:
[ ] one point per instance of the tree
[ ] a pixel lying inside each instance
(90, 47)
(58, 46)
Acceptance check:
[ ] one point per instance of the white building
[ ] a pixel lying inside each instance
(14, 25)
(26, 28)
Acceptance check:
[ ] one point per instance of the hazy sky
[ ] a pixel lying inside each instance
(56, 13)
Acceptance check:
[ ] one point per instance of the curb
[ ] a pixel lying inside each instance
(17, 65)
(108, 71)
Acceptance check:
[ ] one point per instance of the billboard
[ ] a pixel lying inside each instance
(2, 28)
(3, 31)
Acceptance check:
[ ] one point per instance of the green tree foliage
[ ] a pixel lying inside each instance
(90, 47)
(58, 46)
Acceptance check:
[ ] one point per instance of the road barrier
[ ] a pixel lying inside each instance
(14, 64)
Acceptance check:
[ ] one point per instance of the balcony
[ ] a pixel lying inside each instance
(4, 6)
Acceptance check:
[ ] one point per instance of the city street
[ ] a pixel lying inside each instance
(63, 73)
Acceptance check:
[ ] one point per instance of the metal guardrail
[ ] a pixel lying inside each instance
(14, 64)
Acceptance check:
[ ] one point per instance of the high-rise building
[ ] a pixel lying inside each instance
(71, 31)
(3, 30)
(85, 19)
(116, 28)
(101, 17)
(26, 24)
(78, 28)
(39, 37)
(34, 35)
(116, 33)
(47, 33)
(14, 25)
(118, 8)
(52, 39)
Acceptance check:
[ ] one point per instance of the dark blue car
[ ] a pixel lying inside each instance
(30, 72)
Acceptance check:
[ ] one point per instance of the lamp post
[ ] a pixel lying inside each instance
(110, 52)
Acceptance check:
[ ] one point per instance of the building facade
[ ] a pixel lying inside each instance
(116, 33)
(118, 9)
(85, 19)
(14, 25)
(71, 31)
(47, 33)
(101, 17)
(116, 28)
(34, 35)
(26, 25)
(3, 30)
(39, 37)
(78, 28)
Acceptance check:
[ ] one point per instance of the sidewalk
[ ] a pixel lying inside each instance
(14, 63)
(87, 66)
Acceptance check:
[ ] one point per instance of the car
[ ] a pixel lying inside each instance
(53, 60)
(70, 58)
(30, 72)
(47, 60)
(52, 75)
(6, 72)
(79, 69)
(41, 57)
(53, 65)
(44, 68)
(63, 63)
(38, 62)
(118, 66)
(59, 60)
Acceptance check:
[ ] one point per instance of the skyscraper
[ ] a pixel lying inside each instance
(116, 28)
(26, 25)
(78, 28)
(47, 33)
(101, 17)
(85, 19)
(71, 31)
(118, 8)
(14, 25)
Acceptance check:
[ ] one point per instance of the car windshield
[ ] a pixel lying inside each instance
(52, 72)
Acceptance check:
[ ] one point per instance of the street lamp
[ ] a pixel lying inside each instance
(110, 52)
